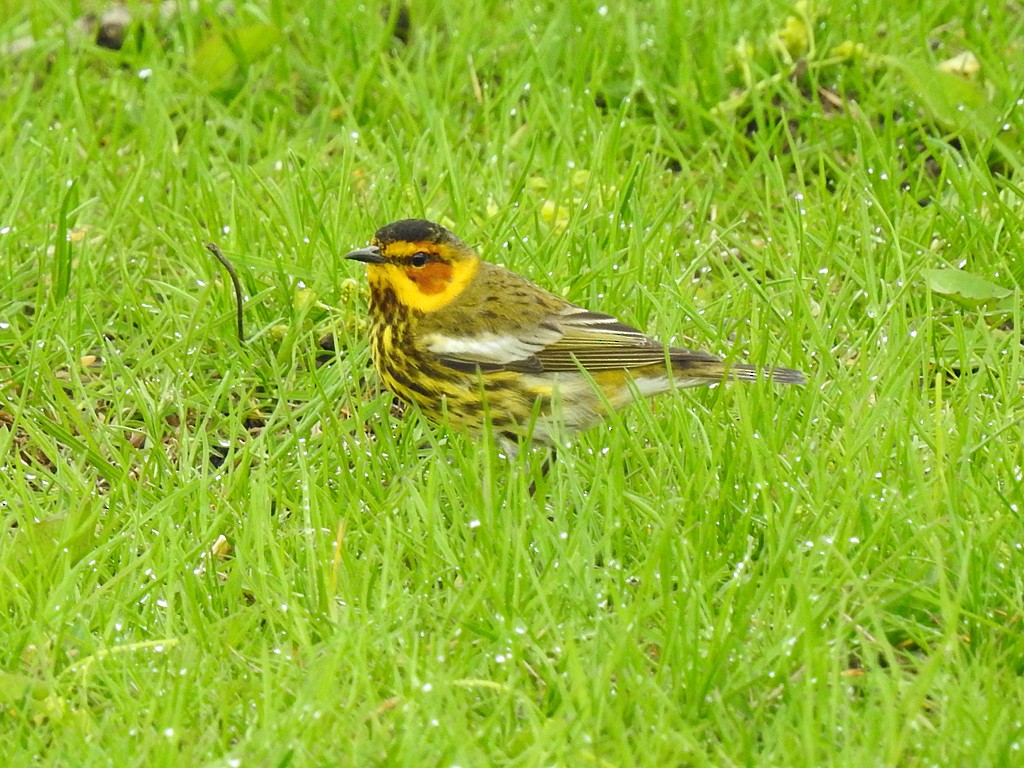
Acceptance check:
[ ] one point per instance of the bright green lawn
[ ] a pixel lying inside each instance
(827, 575)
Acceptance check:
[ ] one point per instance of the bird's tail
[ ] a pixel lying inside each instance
(695, 366)
(777, 375)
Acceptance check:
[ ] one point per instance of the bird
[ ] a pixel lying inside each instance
(472, 344)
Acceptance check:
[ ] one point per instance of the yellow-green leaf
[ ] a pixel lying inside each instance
(957, 103)
(224, 55)
(14, 687)
(963, 287)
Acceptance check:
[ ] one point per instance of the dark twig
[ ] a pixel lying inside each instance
(212, 248)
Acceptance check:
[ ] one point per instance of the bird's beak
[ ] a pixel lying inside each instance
(369, 255)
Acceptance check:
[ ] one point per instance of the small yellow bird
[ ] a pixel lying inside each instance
(468, 341)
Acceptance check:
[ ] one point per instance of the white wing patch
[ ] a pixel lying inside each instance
(498, 349)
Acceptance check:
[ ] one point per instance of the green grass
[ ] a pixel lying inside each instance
(826, 575)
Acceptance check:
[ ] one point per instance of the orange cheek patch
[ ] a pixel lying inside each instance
(432, 278)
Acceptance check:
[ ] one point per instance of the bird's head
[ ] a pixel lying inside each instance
(422, 263)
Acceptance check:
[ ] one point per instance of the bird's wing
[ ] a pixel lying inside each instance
(597, 342)
(565, 340)
(546, 333)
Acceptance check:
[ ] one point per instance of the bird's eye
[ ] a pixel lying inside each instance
(418, 259)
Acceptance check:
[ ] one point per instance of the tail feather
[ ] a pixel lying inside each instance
(700, 365)
(779, 375)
